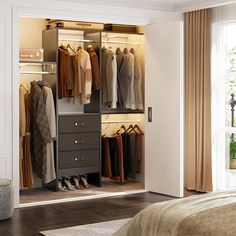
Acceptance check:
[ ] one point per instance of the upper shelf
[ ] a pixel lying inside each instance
(38, 63)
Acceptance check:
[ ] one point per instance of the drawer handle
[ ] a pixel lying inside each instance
(79, 124)
(79, 158)
(79, 141)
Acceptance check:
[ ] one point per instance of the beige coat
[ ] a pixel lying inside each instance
(86, 78)
(50, 111)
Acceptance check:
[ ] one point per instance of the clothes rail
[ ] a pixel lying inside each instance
(37, 72)
(120, 42)
(78, 40)
(120, 121)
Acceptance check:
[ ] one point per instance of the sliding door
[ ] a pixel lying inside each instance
(164, 107)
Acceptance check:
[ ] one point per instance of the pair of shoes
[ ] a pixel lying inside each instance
(75, 182)
(83, 181)
(60, 187)
(68, 185)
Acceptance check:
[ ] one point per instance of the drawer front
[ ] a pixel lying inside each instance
(77, 124)
(80, 141)
(75, 159)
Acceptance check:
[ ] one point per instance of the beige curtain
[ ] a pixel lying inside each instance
(198, 169)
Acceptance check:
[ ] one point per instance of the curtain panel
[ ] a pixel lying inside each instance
(198, 163)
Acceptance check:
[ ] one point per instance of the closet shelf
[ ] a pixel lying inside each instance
(37, 73)
(123, 112)
(120, 121)
(120, 42)
(38, 63)
(78, 40)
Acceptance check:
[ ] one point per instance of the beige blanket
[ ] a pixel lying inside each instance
(212, 214)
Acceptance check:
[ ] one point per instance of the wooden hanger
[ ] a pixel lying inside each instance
(132, 128)
(122, 127)
(68, 46)
(79, 48)
(132, 50)
(22, 85)
(125, 50)
(140, 131)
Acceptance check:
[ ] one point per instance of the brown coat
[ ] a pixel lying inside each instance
(65, 78)
(95, 69)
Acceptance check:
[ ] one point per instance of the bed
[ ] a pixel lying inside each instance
(211, 214)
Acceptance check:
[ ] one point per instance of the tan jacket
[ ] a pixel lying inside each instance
(86, 78)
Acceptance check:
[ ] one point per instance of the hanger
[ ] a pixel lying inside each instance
(22, 85)
(140, 131)
(125, 50)
(68, 46)
(118, 50)
(79, 48)
(131, 128)
(122, 127)
(132, 50)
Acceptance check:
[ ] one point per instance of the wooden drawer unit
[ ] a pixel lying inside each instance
(79, 123)
(75, 159)
(79, 141)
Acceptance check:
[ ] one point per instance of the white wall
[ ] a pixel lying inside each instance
(162, 73)
(164, 93)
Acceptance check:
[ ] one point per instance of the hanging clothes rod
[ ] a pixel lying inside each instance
(78, 40)
(37, 72)
(120, 42)
(120, 121)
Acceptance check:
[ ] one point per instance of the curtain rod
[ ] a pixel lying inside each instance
(120, 121)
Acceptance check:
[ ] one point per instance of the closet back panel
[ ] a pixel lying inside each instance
(49, 41)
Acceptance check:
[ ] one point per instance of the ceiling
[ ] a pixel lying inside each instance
(163, 5)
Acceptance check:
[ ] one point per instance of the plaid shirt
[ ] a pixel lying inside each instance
(40, 131)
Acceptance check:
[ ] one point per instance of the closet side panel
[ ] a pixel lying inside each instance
(164, 94)
(5, 93)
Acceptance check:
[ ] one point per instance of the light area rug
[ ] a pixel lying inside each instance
(99, 229)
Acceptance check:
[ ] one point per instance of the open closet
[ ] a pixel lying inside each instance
(81, 92)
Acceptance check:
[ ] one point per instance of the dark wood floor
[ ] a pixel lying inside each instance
(29, 221)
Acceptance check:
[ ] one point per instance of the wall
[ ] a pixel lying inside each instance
(9, 77)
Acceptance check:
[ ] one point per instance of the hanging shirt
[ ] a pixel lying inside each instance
(130, 102)
(114, 81)
(107, 80)
(122, 78)
(138, 91)
(86, 78)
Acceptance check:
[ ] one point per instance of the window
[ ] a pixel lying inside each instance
(224, 105)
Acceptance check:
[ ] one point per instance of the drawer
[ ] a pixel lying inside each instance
(75, 159)
(80, 141)
(77, 124)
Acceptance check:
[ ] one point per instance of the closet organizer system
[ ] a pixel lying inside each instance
(85, 139)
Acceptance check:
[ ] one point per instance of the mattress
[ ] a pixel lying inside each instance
(211, 214)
